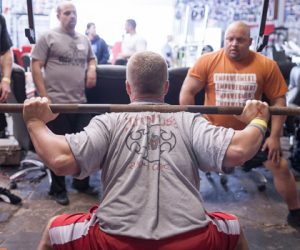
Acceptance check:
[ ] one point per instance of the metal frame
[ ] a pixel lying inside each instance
(262, 39)
(30, 32)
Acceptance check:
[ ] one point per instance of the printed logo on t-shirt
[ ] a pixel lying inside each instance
(234, 89)
(74, 56)
(151, 142)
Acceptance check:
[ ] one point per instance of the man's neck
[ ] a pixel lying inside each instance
(91, 36)
(147, 99)
(71, 32)
(133, 32)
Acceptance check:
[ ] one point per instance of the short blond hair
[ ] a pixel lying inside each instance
(147, 73)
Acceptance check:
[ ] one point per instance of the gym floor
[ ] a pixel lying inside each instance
(262, 214)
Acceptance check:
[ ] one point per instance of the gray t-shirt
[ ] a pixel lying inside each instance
(66, 59)
(150, 169)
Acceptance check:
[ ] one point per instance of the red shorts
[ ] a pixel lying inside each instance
(82, 231)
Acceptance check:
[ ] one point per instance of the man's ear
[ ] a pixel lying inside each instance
(128, 88)
(250, 41)
(166, 87)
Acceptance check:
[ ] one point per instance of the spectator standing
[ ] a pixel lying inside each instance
(132, 42)
(69, 66)
(99, 46)
(167, 51)
(230, 77)
(6, 67)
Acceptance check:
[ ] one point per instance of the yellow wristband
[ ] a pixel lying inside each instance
(260, 122)
(261, 128)
(6, 79)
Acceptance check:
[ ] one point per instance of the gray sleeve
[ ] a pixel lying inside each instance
(91, 54)
(210, 144)
(40, 49)
(89, 147)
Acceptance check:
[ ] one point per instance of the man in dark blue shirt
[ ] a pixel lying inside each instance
(99, 46)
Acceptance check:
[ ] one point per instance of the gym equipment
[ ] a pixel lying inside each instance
(108, 108)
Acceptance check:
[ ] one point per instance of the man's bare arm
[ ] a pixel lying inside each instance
(52, 149)
(37, 76)
(272, 143)
(190, 88)
(278, 120)
(6, 66)
(245, 143)
(91, 76)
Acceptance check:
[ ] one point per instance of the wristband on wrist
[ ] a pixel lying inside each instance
(261, 129)
(260, 122)
(6, 79)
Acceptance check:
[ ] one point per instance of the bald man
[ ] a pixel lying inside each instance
(63, 65)
(230, 77)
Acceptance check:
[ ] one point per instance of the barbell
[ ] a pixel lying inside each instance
(109, 108)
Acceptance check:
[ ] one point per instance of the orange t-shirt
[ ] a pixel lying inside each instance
(231, 83)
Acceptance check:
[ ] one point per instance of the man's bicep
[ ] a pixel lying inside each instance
(278, 101)
(36, 64)
(190, 88)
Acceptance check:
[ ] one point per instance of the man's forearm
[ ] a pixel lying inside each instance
(278, 120)
(277, 125)
(244, 145)
(92, 64)
(53, 149)
(38, 80)
(6, 65)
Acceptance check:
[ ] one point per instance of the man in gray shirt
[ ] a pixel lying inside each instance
(150, 164)
(63, 64)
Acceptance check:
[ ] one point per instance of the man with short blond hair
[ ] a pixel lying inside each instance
(150, 164)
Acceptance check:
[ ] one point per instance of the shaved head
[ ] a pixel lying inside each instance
(62, 4)
(239, 25)
(67, 16)
(237, 41)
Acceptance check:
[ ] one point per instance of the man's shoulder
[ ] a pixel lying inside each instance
(97, 39)
(261, 57)
(138, 37)
(48, 33)
(81, 37)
